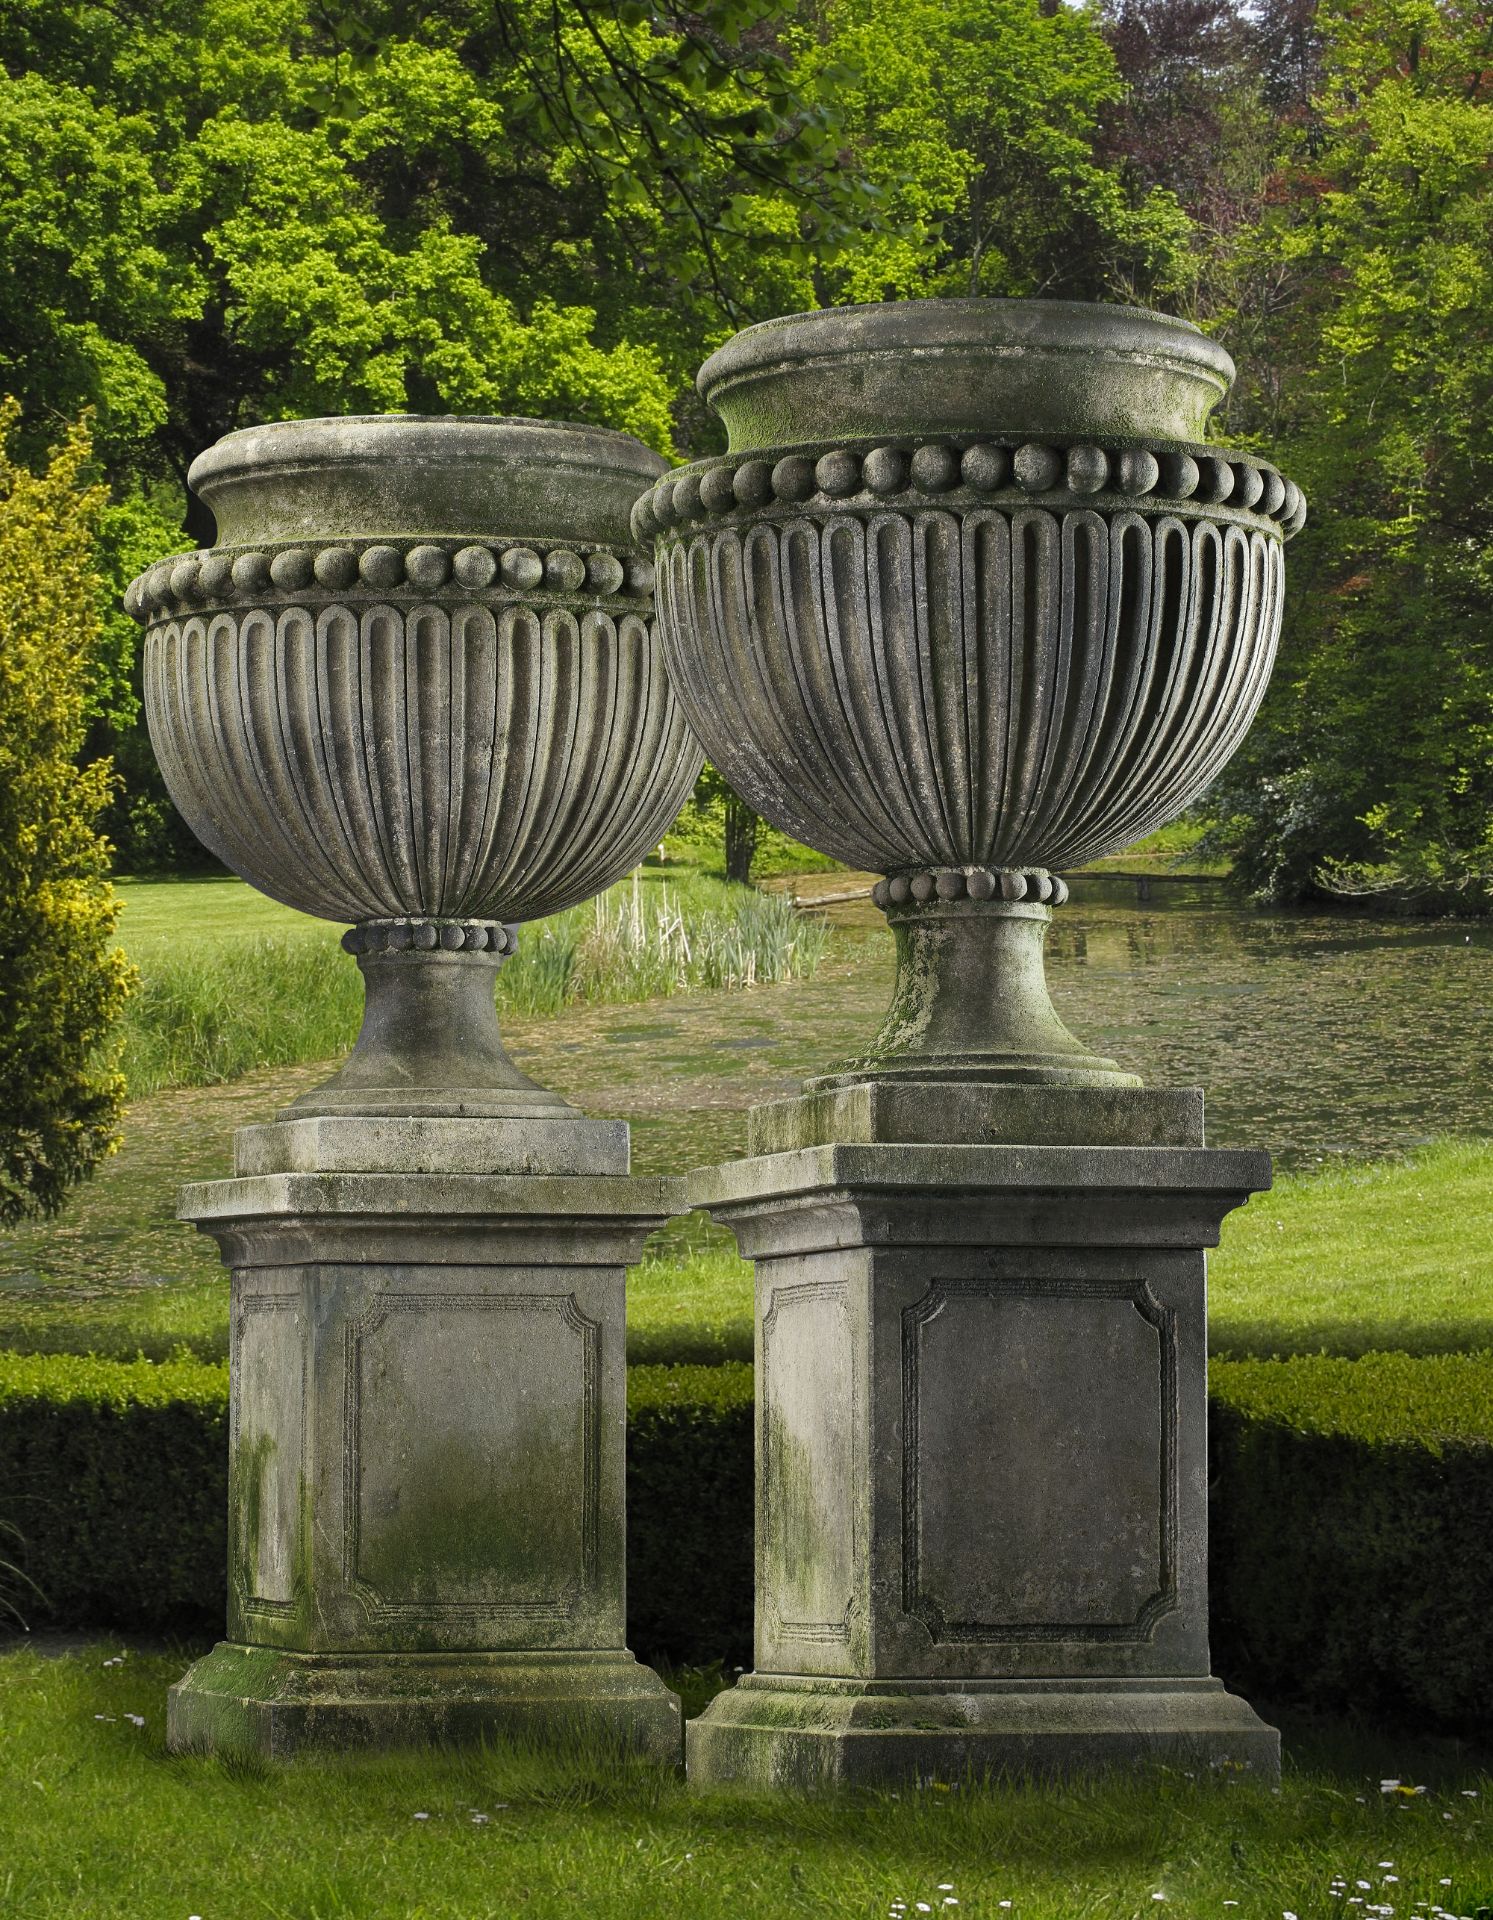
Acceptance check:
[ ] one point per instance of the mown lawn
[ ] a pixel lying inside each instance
(97, 1820)
(1389, 1255)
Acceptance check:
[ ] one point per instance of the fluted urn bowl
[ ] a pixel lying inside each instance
(970, 599)
(417, 688)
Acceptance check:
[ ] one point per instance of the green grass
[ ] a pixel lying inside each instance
(158, 917)
(1390, 1254)
(230, 982)
(96, 1819)
(1371, 1256)
(1393, 1255)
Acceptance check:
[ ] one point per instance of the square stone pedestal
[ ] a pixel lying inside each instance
(981, 1439)
(427, 1433)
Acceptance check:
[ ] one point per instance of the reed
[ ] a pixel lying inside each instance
(207, 1012)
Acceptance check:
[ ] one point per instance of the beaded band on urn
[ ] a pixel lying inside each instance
(417, 688)
(969, 597)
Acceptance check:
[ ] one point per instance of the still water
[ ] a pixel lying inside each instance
(1315, 1035)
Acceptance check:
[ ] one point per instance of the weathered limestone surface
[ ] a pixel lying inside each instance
(415, 688)
(427, 1449)
(969, 600)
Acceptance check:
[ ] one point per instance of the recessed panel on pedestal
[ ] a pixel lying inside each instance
(1039, 1468)
(267, 1450)
(808, 1492)
(472, 1460)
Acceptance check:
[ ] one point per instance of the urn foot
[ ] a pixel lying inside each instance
(267, 1704)
(970, 1001)
(813, 1735)
(429, 1046)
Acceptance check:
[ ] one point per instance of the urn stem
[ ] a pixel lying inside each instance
(971, 1003)
(430, 1044)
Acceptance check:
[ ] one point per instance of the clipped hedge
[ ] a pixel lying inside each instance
(1352, 1507)
(1352, 1510)
(113, 1474)
(689, 1513)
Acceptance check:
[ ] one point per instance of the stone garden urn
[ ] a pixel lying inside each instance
(416, 688)
(969, 600)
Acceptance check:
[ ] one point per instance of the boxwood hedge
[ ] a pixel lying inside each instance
(1351, 1514)
(1352, 1506)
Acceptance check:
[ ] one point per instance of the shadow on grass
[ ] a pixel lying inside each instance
(1347, 1339)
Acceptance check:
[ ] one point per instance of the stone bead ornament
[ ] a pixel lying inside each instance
(195, 582)
(1189, 479)
(418, 688)
(970, 595)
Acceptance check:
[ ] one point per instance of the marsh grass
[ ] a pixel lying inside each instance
(214, 1005)
(96, 1818)
(649, 941)
(209, 1013)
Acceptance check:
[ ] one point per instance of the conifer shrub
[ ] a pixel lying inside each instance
(62, 981)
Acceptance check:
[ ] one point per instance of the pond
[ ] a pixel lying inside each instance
(1315, 1035)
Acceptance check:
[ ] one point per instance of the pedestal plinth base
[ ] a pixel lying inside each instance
(782, 1730)
(426, 1519)
(274, 1705)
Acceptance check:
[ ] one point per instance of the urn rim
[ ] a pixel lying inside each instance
(1040, 367)
(341, 475)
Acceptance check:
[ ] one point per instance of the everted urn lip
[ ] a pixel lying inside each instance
(348, 475)
(1055, 369)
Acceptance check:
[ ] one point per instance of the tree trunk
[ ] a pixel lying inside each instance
(741, 839)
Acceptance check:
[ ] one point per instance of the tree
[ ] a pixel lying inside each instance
(977, 121)
(1371, 768)
(62, 982)
(246, 209)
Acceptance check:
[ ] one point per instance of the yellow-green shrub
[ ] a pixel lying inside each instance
(62, 982)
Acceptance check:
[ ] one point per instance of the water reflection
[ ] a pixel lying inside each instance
(1314, 1034)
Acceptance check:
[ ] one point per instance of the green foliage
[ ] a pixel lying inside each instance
(1371, 769)
(62, 983)
(83, 1380)
(218, 213)
(1434, 1402)
(211, 215)
(720, 832)
(689, 1512)
(977, 121)
(115, 1482)
(1347, 1494)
